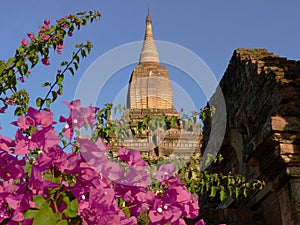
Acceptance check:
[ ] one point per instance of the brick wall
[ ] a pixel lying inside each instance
(262, 95)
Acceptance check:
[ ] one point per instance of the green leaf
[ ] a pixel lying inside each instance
(39, 201)
(39, 102)
(72, 209)
(18, 111)
(59, 78)
(2, 67)
(54, 95)
(75, 65)
(126, 212)
(48, 102)
(46, 84)
(27, 168)
(45, 216)
(19, 63)
(49, 176)
(182, 171)
(31, 213)
(83, 53)
(62, 222)
(86, 125)
(77, 132)
(78, 45)
(71, 70)
(10, 62)
(63, 63)
(223, 195)
(77, 58)
(89, 46)
(237, 192)
(64, 142)
(245, 192)
(213, 191)
(61, 89)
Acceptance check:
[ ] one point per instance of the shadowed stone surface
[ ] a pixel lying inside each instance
(262, 94)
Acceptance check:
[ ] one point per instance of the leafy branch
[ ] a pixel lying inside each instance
(29, 54)
(216, 184)
(69, 66)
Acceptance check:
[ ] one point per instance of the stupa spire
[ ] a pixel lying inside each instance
(149, 52)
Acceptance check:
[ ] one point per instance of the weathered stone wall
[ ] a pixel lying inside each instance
(178, 140)
(262, 94)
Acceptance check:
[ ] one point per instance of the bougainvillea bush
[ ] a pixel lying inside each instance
(58, 176)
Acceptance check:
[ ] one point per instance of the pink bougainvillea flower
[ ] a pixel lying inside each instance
(132, 157)
(138, 198)
(21, 79)
(11, 167)
(22, 143)
(175, 197)
(101, 208)
(24, 122)
(31, 36)
(45, 161)
(35, 117)
(9, 101)
(95, 154)
(19, 202)
(112, 171)
(165, 209)
(165, 172)
(74, 107)
(50, 139)
(78, 117)
(43, 138)
(37, 184)
(200, 222)
(59, 48)
(2, 109)
(47, 22)
(6, 144)
(69, 164)
(179, 222)
(44, 118)
(24, 42)
(46, 37)
(138, 171)
(46, 61)
(88, 114)
(42, 32)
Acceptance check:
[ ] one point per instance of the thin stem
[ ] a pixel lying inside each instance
(62, 73)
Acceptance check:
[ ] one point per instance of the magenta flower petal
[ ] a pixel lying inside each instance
(22, 143)
(2, 109)
(24, 42)
(200, 222)
(43, 117)
(31, 36)
(47, 22)
(46, 61)
(6, 144)
(165, 172)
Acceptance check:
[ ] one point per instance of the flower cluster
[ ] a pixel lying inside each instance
(86, 187)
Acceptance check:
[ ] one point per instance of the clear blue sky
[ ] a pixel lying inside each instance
(211, 29)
